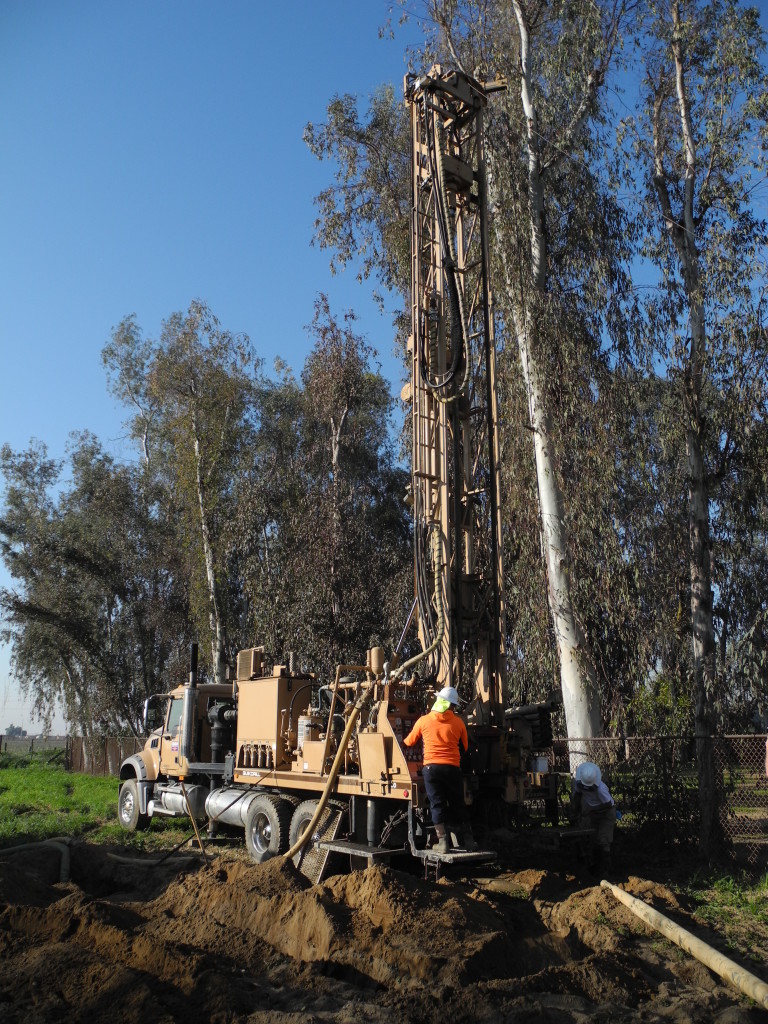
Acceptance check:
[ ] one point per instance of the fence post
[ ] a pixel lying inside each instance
(665, 788)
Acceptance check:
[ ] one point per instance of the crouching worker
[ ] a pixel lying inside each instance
(592, 806)
(443, 734)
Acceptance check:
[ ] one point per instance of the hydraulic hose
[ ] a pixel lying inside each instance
(60, 844)
(456, 297)
(365, 698)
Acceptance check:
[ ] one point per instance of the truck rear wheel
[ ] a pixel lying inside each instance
(129, 807)
(313, 860)
(301, 818)
(267, 825)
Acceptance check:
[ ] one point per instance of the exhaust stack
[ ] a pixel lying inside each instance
(189, 711)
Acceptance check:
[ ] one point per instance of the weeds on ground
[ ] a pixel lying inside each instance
(39, 799)
(162, 834)
(736, 908)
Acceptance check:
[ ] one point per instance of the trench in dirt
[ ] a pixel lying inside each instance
(234, 941)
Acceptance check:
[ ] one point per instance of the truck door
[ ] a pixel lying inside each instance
(169, 744)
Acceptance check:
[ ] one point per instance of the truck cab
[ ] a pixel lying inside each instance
(150, 780)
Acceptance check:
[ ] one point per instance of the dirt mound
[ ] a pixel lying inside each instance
(238, 942)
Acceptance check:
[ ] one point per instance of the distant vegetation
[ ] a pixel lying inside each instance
(40, 800)
(261, 512)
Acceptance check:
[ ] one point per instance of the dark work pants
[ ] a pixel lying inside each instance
(445, 790)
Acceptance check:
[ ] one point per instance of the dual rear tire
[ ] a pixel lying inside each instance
(274, 824)
(301, 818)
(267, 827)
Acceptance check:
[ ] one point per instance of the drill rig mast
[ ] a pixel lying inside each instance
(455, 458)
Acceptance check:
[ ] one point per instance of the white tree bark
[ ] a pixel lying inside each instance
(577, 675)
(218, 651)
(337, 429)
(681, 228)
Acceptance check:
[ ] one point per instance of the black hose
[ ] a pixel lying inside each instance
(301, 689)
(449, 267)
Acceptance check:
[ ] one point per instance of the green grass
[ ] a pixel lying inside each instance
(39, 799)
(737, 908)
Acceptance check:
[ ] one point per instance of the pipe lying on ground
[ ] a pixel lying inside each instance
(60, 844)
(742, 979)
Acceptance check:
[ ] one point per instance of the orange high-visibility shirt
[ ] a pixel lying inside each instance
(442, 732)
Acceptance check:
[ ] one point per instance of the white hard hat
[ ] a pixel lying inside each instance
(588, 774)
(449, 693)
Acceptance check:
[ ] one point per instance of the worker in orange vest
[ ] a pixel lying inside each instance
(444, 734)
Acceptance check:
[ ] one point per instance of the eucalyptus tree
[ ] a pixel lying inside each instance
(264, 515)
(558, 241)
(344, 539)
(701, 141)
(96, 612)
(193, 400)
(364, 216)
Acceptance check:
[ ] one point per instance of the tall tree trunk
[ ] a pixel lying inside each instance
(218, 647)
(682, 232)
(337, 430)
(577, 675)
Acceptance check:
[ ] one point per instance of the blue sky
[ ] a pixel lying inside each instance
(152, 154)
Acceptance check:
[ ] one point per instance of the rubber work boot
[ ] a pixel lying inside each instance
(443, 842)
(470, 843)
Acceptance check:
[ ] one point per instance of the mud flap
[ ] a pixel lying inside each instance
(313, 861)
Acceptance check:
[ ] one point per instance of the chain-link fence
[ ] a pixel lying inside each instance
(741, 764)
(654, 782)
(32, 744)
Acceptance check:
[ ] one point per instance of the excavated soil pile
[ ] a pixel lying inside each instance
(237, 942)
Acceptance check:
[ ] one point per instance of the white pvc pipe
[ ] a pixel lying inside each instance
(742, 979)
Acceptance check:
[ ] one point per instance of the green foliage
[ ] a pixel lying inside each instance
(40, 800)
(573, 248)
(658, 709)
(269, 510)
(660, 785)
(328, 547)
(192, 394)
(705, 101)
(97, 610)
(737, 907)
(263, 512)
(364, 216)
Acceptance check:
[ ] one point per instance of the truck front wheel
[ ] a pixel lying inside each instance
(266, 827)
(129, 807)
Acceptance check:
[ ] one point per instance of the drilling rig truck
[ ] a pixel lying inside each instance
(310, 768)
